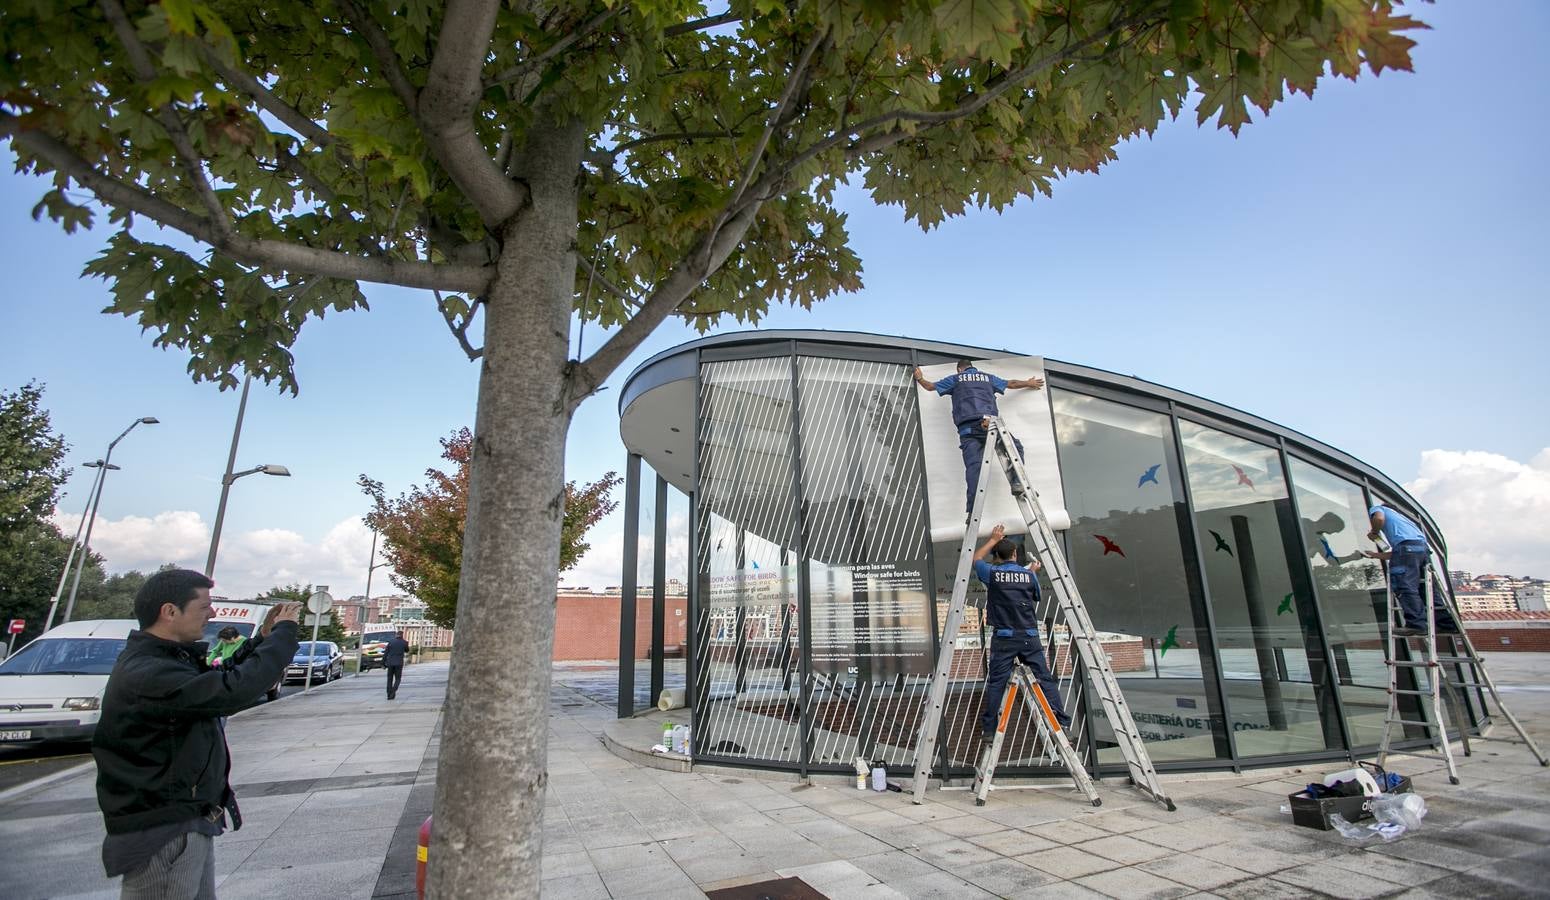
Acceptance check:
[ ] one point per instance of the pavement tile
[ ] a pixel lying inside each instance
(1133, 884)
(937, 886)
(716, 867)
(1318, 878)
(1194, 871)
(1067, 832)
(894, 864)
(1004, 877)
(606, 859)
(561, 865)
(580, 886)
(640, 880)
(1066, 862)
(1122, 849)
(1261, 889)
(1250, 857)
(968, 826)
(1387, 868)
(1011, 843)
(953, 854)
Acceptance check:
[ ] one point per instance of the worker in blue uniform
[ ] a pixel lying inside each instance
(1011, 610)
(974, 401)
(1407, 558)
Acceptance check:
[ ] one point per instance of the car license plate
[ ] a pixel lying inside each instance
(15, 735)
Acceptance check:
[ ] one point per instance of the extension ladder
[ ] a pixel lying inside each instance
(1436, 666)
(1072, 611)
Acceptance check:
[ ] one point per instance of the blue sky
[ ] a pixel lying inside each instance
(1368, 267)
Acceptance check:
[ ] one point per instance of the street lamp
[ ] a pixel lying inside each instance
(75, 542)
(220, 512)
(91, 518)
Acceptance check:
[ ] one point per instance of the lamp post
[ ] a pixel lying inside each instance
(91, 518)
(75, 542)
(220, 512)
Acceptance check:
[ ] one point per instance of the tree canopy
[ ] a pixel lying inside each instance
(620, 160)
(32, 551)
(422, 530)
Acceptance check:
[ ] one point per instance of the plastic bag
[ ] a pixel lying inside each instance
(1389, 831)
(1403, 809)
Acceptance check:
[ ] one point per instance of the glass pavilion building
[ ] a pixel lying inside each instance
(1217, 553)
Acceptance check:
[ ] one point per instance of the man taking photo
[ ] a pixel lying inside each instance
(162, 761)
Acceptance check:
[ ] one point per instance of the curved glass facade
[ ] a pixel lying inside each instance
(1217, 552)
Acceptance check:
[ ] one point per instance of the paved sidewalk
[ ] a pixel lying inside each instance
(335, 784)
(322, 780)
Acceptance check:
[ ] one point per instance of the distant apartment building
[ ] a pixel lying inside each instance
(1484, 601)
(1530, 597)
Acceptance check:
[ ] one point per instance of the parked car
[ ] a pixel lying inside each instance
(324, 658)
(51, 689)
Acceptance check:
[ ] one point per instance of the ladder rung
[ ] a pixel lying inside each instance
(1413, 722)
(1411, 693)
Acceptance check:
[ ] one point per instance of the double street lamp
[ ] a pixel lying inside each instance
(230, 476)
(88, 520)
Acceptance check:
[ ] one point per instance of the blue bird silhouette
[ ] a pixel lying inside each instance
(1329, 552)
(1150, 475)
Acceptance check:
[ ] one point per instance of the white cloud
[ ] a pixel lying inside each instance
(249, 562)
(1494, 511)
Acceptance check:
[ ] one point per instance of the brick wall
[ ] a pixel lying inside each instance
(587, 627)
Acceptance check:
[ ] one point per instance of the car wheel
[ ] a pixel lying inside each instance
(273, 693)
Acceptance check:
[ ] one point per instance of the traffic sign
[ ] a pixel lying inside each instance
(16, 626)
(320, 602)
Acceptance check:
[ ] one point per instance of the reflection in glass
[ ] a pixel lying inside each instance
(746, 643)
(1266, 625)
(1351, 597)
(1122, 490)
(863, 490)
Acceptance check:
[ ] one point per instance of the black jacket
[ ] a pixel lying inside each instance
(393, 653)
(160, 748)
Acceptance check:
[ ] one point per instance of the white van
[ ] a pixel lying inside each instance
(51, 689)
(245, 617)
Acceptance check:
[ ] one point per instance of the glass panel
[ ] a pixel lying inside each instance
(1352, 600)
(675, 628)
(645, 560)
(1266, 628)
(1126, 549)
(747, 651)
(863, 490)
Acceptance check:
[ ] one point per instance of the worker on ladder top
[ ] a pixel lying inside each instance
(974, 402)
(1407, 557)
(1011, 611)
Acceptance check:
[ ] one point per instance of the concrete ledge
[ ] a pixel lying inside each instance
(632, 740)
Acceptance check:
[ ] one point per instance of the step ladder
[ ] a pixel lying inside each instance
(1065, 607)
(1046, 726)
(1440, 685)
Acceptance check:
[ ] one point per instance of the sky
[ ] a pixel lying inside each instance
(1368, 267)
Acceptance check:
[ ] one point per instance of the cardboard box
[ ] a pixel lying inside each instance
(1310, 812)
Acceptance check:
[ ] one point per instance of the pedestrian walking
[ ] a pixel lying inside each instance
(1011, 610)
(393, 661)
(974, 402)
(162, 760)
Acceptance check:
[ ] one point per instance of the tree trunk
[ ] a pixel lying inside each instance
(493, 768)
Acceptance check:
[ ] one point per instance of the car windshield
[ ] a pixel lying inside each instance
(213, 630)
(307, 648)
(379, 637)
(65, 656)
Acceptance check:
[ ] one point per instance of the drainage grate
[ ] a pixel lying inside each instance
(776, 889)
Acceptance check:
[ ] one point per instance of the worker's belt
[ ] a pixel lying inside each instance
(1010, 632)
(1412, 546)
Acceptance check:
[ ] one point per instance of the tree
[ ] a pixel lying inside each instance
(330, 630)
(32, 551)
(624, 161)
(422, 531)
(104, 596)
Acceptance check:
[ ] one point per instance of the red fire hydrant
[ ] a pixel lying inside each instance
(422, 853)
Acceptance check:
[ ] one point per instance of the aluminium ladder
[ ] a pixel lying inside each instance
(1047, 727)
(1461, 653)
(1000, 448)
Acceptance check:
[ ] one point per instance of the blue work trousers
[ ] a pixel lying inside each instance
(1405, 568)
(1003, 652)
(972, 445)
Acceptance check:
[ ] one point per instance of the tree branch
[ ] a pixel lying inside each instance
(461, 331)
(608, 285)
(270, 254)
(798, 77)
(265, 98)
(145, 72)
(558, 47)
(708, 255)
(701, 24)
(446, 107)
(382, 50)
